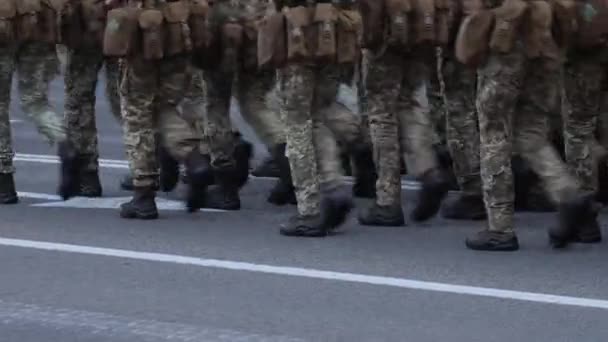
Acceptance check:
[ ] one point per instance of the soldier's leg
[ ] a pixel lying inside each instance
(218, 129)
(578, 221)
(297, 88)
(82, 68)
(382, 90)
(139, 89)
(583, 80)
(178, 137)
(8, 195)
(417, 139)
(258, 100)
(499, 86)
(462, 132)
(37, 65)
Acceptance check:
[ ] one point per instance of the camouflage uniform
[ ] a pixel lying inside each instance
(36, 65)
(584, 77)
(81, 78)
(515, 97)
(400, 122)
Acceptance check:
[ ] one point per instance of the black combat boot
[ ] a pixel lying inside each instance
(577, 222)
(8, 195)
(283, 191)
(142, 206)
(444, 159)
(305, 226)
(200, 176)
(336, 204)
(491, 241)
(435, 187)
(382, 216)
(243, 152)
(365, 173)
(169, 170)
(268, 168)
(68, 183)
(225, 194)
(464, 207)
(89, 184)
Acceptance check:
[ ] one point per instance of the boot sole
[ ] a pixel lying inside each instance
(316, 234)
(383, 223)
(139, 216)
(499, 248)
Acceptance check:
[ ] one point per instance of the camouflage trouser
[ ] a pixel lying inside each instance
(584, 77)
(462, 125)
(514, 98)
(193, 107)
(82, 69)
(399, 120)
(310, 130)
(151, 92)
(36, 65)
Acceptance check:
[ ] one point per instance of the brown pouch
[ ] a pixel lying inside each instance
(425, 30)
(443, 21)
(121, 32)
(250, 45)
(94, 15)
(8, 13)
(199, 26)
(509, 17)
(398, 12)
(153, 42)
(178, 39)
(372, 12)
(232, 41)
(272, 45)
(565, 13)
(325, 18)
(349, 28)
(300, 34)
(51, 20)
(472, 40)
(538, 35)
(28, 20)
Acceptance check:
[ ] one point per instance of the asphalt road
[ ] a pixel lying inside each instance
(74, 271)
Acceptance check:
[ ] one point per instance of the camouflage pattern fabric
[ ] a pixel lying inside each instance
(82, 69)
(514, 100)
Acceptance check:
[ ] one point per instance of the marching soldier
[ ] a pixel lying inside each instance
(29, 33)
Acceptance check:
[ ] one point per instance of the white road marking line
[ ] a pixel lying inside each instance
(36, 195)
(113, 326)
(411, 284)
(123, 164)
(15, 121)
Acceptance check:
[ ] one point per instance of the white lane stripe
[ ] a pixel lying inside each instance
(125, 328)
(15, 121)
(36, 195)
(123, 164)
(315, 274)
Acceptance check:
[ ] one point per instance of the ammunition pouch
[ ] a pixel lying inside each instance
(398, 12)
(232, 36)
(325, 20)
(151, 25)
(538, 35)
(272, 49)
(250, 45)
(8, 14)
(28, 23)
(565, 13)
(373, 12)
(178, 40)
(300, 34)
(121, 33)
(94, 16)
(349, 28)
(471, 46)
(199, 26)
(507, 27)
